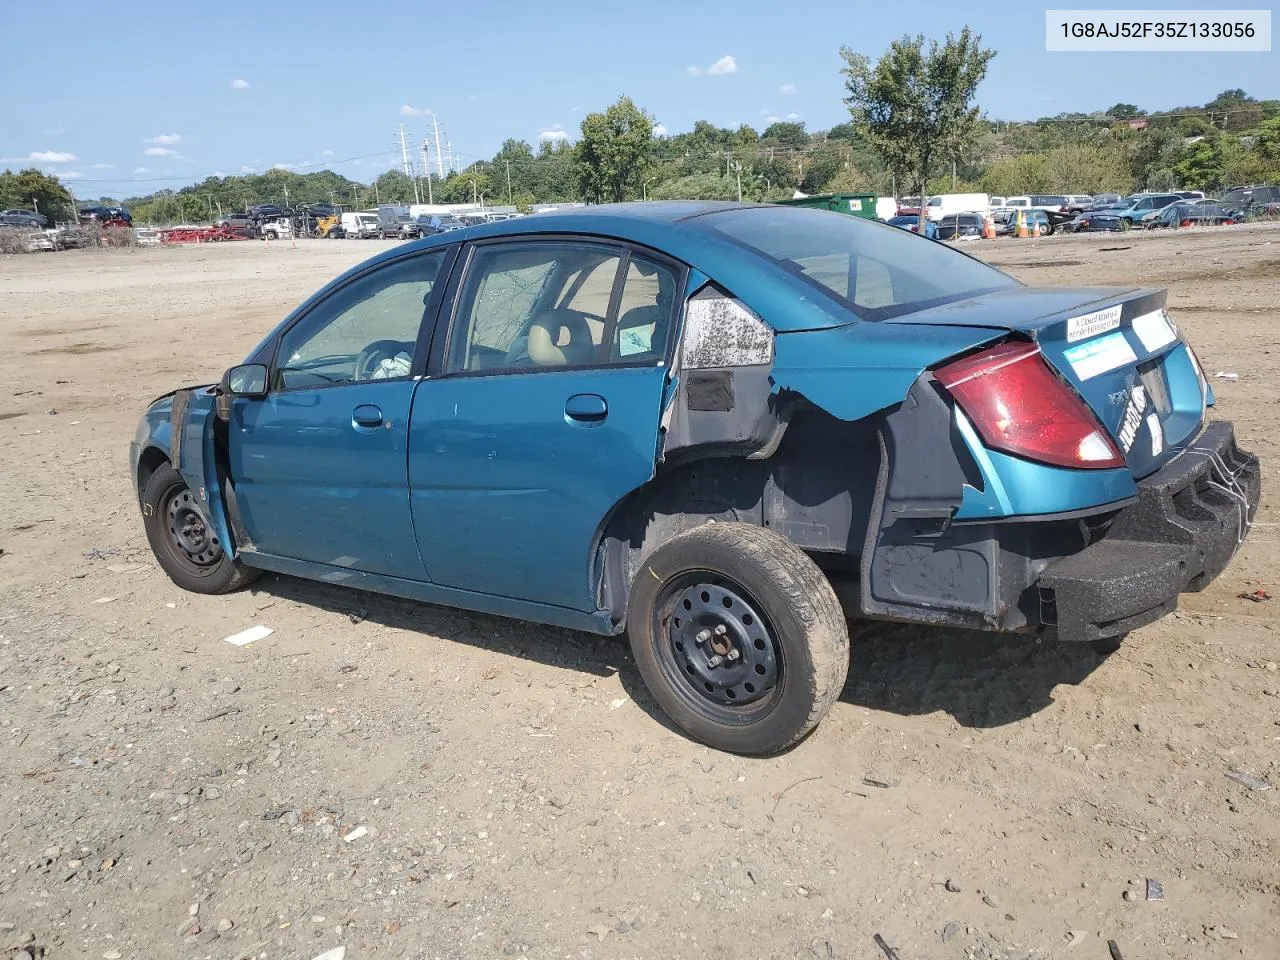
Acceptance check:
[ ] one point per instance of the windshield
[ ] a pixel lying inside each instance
(875, 270)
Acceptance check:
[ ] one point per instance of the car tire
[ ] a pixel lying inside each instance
(761, 651)
(182, 539)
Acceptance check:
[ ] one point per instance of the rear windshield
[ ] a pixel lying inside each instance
(877, 271)
(1040, 200)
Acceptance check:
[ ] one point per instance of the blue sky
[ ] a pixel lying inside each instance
(156, 94)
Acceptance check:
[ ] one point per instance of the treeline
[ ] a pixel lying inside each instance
(617, 155)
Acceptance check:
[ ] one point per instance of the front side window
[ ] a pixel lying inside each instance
(367, 330)
(877, 271)
(546, 304)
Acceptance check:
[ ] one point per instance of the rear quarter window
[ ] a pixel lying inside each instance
(875, 270)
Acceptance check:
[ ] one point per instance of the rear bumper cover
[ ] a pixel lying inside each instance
(1187, 524)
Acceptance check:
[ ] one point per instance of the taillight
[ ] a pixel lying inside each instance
(1019, 405)
(1186, 223)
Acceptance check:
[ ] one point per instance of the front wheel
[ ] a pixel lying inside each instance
(184, 542)
(739, 637)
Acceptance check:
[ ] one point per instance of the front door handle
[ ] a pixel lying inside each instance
(586, 408)
(366, 415)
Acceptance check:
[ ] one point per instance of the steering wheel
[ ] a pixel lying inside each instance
(370, 358)
(580, 348)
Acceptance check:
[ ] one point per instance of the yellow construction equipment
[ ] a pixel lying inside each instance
(325, 225)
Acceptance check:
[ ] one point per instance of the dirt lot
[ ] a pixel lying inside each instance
(166, 794)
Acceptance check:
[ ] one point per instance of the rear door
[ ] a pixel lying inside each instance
(542, 412)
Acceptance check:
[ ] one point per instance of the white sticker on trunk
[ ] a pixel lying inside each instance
(1157, 434)
(1154, 330)
(1092, 324)
(1132, 419)
(1098, 356)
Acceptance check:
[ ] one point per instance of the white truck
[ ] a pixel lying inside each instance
(949, 204)
(360, 226)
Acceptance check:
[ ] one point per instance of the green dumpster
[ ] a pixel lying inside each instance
(854, 204)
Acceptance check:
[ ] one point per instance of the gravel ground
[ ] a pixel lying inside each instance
(411, 781)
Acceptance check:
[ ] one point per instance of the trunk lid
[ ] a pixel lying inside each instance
(1117, 348)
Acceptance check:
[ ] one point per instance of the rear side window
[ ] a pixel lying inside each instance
(876, 270)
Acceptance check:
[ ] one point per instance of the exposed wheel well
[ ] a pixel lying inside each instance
(152, 459)
(816, 489)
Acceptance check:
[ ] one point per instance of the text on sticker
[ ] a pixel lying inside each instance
(1132, 418)
(1092, 324)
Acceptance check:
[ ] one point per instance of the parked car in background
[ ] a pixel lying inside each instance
(912, 223)
(1254, 200)
(909, 206)
(106, 216)
(146, 237)
(72, 238)
(361, 226)
(1032, 218)
(1054, 202)
(487, 419)
(959, 226)
(1190, 194)
(279, 228)
(1103, 201)
(1017, 203)
(23, 218)
(37, 240)
(1203, 214)
(1127, 213)
(997, 202)
(1078, 203)
(269, 211)
(426, 225)
(239, 223)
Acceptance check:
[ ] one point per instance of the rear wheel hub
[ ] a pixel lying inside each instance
(721, 645)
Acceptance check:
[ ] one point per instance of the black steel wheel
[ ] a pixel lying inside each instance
(185, 543)
(739, 637)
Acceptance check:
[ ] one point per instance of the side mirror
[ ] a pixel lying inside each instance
(246, 380)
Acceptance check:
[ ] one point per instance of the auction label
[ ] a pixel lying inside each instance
(1092, 324)
(1093, 357)
(1169, 31)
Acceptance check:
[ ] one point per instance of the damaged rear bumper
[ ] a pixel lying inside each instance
(1188, 522)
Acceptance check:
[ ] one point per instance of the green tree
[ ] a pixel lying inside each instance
(33, 189)
(1123, 111)
(786, 133)
(915, 105)
(614, 153)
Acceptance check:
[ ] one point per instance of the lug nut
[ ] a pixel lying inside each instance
(715, 661)
(721, 630)
(732, 655)
(703, 636)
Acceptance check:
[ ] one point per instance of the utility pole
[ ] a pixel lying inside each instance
(407, 166)
(508, 163)
(737, 169)
(435, 124)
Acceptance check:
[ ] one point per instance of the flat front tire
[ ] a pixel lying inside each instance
(739, 637)
(184, 542)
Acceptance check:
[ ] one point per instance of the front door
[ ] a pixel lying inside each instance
(319, 465)
(544, 415)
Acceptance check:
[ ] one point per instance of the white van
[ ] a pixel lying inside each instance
(360, 225)
(947, 204)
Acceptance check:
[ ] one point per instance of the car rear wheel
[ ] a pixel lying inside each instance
(739, 637)
(184, 542)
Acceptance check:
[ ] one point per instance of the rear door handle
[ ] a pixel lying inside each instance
(586, 408)
(366, 415)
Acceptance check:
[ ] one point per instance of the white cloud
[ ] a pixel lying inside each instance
(218, 173)
(165, 139)
(793, 116)
(326, 153)
(248, 170)
(41, 156)
(239, 84)
(71, 175)
(283, 166)
(553, 133)
(408, 111)
(659, 130)
(722, 67)
(787, 89)
(141, 170)
(160, 152)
